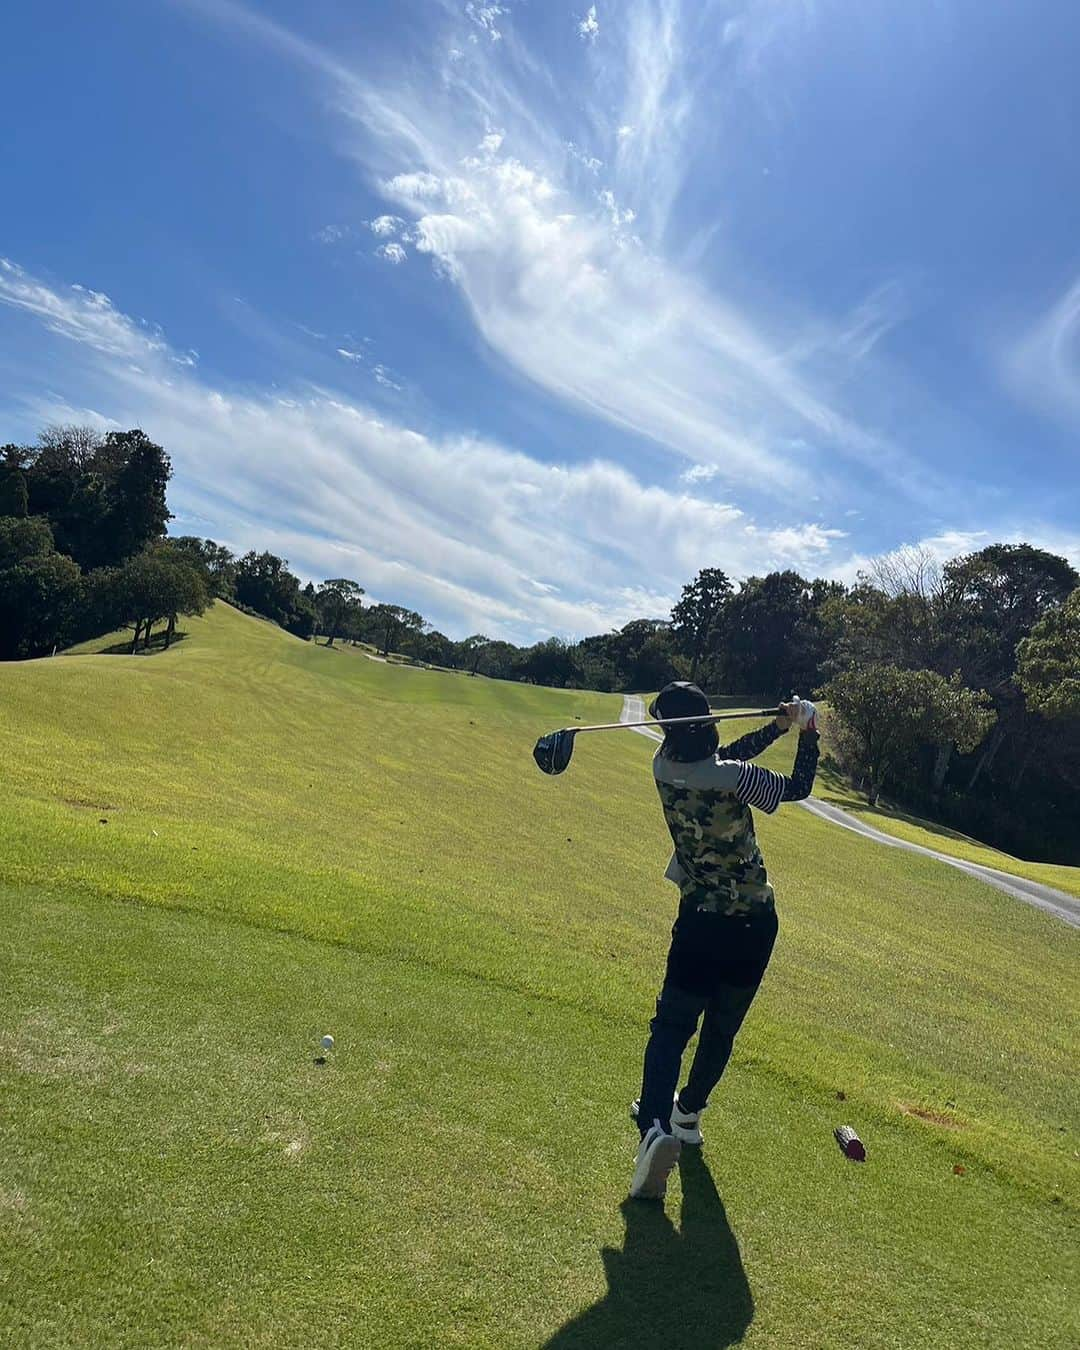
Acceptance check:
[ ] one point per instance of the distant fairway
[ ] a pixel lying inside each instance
(209, 857)
(945, 840)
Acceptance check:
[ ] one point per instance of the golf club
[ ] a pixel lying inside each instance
(553, 751)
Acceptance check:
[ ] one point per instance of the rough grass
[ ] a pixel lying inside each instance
(297, 841)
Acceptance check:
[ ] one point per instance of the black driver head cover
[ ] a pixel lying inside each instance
(679, 699)
(552, 752)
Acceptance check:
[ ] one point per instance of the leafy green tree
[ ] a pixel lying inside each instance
(994, 598)
(1048, 662)
(138, 511)
(650, 665)
(882, 715)
(595, 658)
(38, 588)
(216, 563)
(698, 617)
(998, 595)
(335, 599)
(104, 496)
(264, 584)
(303, 619)
(473, 649)
(500, 660)
(157, 586)
(642, 652)
(14, 495)
(774, 642)
(551, 663)
(391, 623)
(98, 609)
(436, 649)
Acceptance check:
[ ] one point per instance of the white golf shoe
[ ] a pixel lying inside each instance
(657, 1155)
(685, 1125)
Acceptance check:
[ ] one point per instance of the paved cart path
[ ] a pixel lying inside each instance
(1059, 903)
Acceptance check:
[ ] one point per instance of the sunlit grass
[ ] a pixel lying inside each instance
(209, 857)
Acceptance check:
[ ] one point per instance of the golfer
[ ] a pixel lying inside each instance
(726, 925)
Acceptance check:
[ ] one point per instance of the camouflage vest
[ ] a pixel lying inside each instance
(721, 867)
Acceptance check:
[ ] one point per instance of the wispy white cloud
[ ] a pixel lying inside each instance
(803, 545)
(464, 529)
(486, 17)
(386, 226)
(877, 314)
(392, 253)
(698, 473)
(383, 377)
(348, 355)
(332, 234)
(619, 216)
(589, 26)
(587, 161)
(82, 315)
(552, 276)
(955, 543)
(757, 27)
(1043, 367)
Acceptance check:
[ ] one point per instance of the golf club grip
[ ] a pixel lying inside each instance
(677, 721)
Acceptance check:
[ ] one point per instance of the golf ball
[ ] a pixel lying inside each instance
(328, 1042)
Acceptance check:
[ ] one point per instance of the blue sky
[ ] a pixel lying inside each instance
(519, 313)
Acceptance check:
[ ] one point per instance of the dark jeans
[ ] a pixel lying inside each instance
(715, 967)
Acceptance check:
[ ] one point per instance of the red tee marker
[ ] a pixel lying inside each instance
(851, 1145)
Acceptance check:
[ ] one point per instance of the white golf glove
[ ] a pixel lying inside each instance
(805, 718)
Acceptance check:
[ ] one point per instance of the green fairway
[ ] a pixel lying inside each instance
(211, 856)
(940, 837)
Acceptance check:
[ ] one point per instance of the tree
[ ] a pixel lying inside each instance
(153, 587)
(138, 510)
(105, 497)
(774, 641)
(303, 618)
(996, 596)
(216, 563)
(436, 649)
(335, 599)
(697, 619)
(595, 658)
(473, 649)
(551, 663)
(264, 584)
(882, 715)
(642, 653)
(391, 623)
(14, 495)
(1048, 662)
(500, 660)
(67, 448)
(38, 588)
(1002, 591)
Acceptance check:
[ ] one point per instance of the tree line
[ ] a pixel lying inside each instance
(954, 688)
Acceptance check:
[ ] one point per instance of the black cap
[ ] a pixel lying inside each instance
(679, 699)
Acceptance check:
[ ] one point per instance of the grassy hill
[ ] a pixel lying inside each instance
(213, 855)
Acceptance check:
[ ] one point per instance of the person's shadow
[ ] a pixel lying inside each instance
(669, 1287)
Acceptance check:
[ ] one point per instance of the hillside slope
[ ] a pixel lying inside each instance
(210, 856)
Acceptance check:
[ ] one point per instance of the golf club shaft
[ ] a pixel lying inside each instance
(676, 721)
